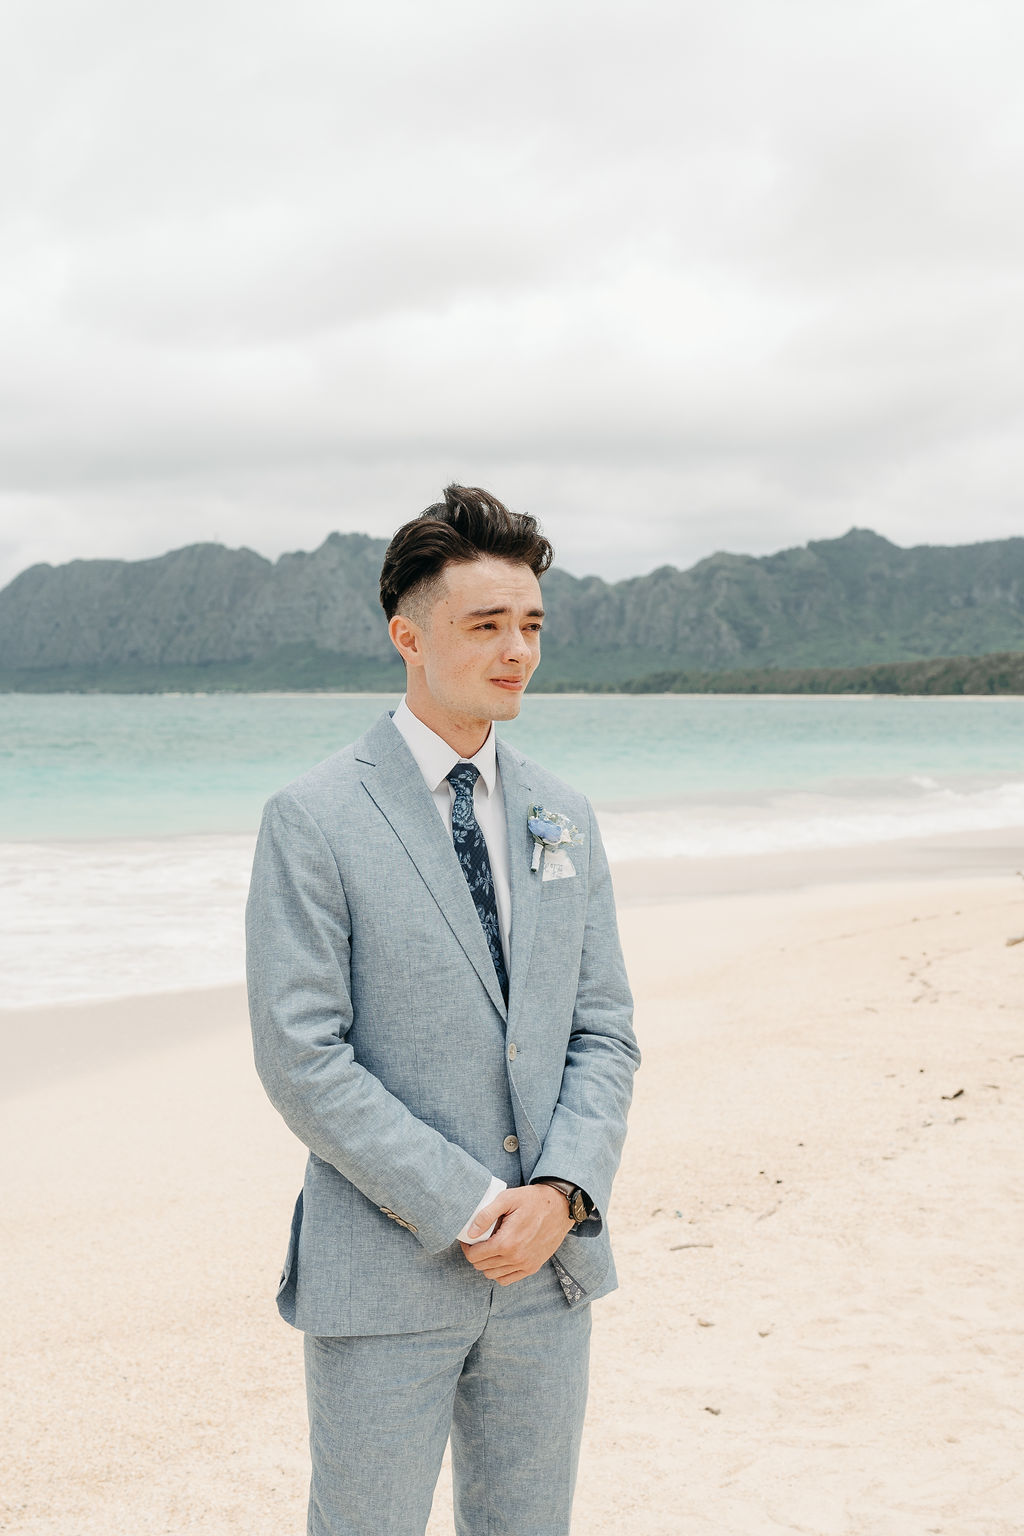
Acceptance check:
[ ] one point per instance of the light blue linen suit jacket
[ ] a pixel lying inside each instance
(382, 1037)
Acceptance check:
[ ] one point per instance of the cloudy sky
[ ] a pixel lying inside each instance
(673, 276)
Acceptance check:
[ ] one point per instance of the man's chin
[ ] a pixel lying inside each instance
(507, 703)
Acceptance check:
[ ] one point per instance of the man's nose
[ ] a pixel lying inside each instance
(517, 647)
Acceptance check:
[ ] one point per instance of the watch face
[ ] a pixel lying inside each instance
(578, 1206)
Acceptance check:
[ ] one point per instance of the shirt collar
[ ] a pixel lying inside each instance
(435, 758)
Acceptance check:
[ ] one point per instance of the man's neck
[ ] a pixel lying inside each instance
(464, 736)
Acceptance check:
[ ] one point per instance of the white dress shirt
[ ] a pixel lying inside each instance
(435, 760)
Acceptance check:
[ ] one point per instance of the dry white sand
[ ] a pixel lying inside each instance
(818, 1226)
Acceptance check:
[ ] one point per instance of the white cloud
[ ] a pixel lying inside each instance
(672, 277)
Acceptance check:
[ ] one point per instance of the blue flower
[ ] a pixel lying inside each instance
(547, 832)
(550, 829)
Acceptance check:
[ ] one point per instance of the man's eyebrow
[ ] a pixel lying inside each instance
(491, 613)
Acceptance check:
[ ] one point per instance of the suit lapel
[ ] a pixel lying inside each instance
(395, 785)
(525, 883)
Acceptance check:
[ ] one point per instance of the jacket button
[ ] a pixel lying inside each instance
(511, 1143)
(513, 1052)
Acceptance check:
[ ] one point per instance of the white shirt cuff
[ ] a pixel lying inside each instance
(494, 1189)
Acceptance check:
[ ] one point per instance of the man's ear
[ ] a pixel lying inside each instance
(407, 640)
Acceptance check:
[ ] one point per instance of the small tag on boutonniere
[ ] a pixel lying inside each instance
(552, 833)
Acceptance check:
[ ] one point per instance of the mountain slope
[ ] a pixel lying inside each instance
(834, 602)
(206, 615)
(197, 605)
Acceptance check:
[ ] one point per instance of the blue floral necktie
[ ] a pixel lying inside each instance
(476, 866)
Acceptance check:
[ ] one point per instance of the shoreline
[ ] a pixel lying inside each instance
(939, 856)
(84, 1035)
(142, 963)
(536, 691)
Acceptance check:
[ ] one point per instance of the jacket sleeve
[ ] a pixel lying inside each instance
(298, 949)
(584, 1140)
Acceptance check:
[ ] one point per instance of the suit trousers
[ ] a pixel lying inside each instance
(511, 1390)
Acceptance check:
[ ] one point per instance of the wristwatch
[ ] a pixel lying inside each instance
(580, 1204)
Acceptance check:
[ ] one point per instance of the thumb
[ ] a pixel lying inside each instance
(490, 1214)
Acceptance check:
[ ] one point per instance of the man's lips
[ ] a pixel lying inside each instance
(509, 682)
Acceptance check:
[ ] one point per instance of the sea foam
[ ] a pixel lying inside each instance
(86, 921)
(793, 822)
(83, 921)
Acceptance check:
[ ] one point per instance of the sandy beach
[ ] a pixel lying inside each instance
(818, 1227)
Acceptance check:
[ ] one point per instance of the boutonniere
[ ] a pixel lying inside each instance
(551, 830)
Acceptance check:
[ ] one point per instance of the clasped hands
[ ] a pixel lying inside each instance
(532, 1221)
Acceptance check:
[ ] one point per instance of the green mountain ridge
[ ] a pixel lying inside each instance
(205, 617)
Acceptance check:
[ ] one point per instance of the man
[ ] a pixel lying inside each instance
(441, 1014)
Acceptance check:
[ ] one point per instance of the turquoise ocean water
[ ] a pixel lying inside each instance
(75, 766)
(126, 822)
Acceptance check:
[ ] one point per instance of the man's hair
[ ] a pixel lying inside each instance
(468, 525)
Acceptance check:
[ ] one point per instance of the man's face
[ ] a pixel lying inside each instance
(479, 645)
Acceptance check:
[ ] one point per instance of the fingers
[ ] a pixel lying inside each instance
(490, 1264)
(531, 1223)
(498, 1266)
(503, 1274)
(498, 1207)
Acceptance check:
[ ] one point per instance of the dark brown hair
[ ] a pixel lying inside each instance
(467, 525)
